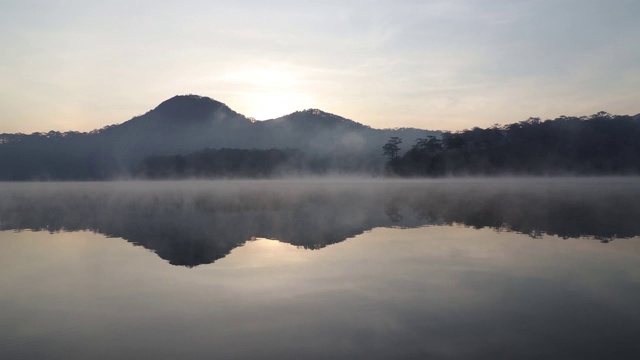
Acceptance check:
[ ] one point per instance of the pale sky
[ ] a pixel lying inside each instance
(448, 65)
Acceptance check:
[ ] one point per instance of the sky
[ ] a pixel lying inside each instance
(441, 65)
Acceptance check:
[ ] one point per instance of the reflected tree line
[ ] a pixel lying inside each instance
(600, 144)
(203, 222)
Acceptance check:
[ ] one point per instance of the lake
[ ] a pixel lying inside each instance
(504, 268)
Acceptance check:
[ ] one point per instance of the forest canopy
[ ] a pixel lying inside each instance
(600, 144)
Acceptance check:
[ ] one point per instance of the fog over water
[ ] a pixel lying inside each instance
(196, 222)
(508, 268)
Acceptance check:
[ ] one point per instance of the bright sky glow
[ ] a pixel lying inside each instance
(435, 64)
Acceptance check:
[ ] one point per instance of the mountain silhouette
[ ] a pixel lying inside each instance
(189, 123)
(192, 107)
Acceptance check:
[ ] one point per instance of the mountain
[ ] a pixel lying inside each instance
(179, 125)
(190, 123)
(332, 134)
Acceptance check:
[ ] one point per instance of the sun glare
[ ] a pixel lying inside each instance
(272, 105)
(269, 91)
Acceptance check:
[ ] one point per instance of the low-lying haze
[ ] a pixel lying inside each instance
(198, 222)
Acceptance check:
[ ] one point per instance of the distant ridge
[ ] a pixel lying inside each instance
(185, 124)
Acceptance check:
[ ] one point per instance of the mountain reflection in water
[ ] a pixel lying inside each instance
(197, 222)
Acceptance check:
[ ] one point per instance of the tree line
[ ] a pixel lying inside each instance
(600, 144)
(232, 163)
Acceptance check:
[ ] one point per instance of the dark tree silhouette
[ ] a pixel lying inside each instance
(600, 144)
(392, 148)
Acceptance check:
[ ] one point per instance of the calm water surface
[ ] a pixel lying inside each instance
(457, 269)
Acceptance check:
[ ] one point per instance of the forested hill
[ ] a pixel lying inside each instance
(600, 144)
(198, 136)
(186, 124)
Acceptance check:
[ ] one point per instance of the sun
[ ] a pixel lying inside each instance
(271, 105)
(268, 91)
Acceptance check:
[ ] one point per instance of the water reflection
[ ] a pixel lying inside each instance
(429, 293)
(198, 222)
